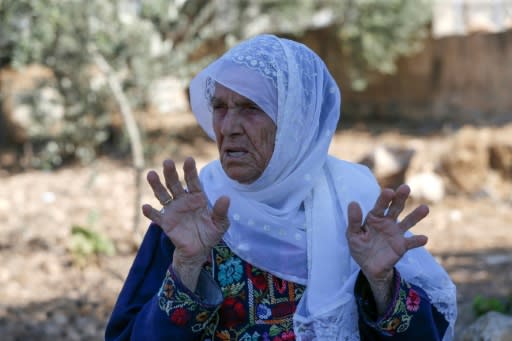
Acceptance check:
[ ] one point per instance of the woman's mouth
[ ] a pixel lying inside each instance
(235, 154)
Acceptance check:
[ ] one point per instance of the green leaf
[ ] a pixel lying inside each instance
(274, 330)
(87, 242)
(482, 305)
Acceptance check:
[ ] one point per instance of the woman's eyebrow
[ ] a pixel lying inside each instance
(246, 102)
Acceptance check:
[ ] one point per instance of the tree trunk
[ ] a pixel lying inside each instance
(131, 128)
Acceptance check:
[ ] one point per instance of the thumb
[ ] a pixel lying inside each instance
(220, 213)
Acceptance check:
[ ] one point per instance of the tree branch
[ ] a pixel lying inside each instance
(130, 124)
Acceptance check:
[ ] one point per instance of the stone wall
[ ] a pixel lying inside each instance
(458, 79)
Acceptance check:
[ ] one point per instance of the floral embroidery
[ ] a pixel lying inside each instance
(256, 276)
(232, 312)
(280, 285)
(167, 289)
(256, 306)
(202, 316)
(263, 311)
(223, 335)
(180, 307)
(230, 271)
(408, 302)
(394, 323)
(280, 329)
(285, 336)
(180, 317)
(413, 300)
(250, 337)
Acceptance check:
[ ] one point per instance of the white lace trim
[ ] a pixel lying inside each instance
(326, 327)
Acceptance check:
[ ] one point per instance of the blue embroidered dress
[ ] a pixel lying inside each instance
(236, 301)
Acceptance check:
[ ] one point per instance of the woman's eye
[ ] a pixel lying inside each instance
(219, 107)
(252, 108)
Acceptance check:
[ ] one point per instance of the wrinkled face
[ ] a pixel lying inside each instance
(245, 135)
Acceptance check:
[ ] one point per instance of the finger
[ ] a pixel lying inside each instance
(355, 218)
(415, 241)
(220, 213)
(191, 177)
(382, 203)
(152, 214)
(159, 190)
(172, 180)
(398, 203)
(414, 217)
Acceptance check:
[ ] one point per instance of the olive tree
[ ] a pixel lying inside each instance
(104, 54)
(99, 50)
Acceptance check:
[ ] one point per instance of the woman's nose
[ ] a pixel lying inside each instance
(231, 123)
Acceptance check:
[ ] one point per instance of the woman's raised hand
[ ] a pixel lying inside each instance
(378, 243)
(185, 217)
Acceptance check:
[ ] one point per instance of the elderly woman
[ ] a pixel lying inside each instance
(277, 240)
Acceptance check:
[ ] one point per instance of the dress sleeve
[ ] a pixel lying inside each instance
(410, 315)
(154, 305)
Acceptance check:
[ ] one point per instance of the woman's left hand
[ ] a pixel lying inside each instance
(378, 243)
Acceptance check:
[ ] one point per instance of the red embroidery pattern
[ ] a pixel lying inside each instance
(413, 300)
(407, 304)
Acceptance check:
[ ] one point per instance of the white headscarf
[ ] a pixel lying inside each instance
(291, 221)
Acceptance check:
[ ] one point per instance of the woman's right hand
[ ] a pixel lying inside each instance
(193, 228)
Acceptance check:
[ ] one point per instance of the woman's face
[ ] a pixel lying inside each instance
(245, 135)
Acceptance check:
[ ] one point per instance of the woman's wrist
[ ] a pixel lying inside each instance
(382, 290)
(187, 271)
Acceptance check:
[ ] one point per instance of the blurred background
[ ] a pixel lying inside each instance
(93, 94)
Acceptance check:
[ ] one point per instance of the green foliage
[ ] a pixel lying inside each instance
(86, 243)
(144, 40)
(377, 32)
(373, 33)
(482, 305)
(60, 35)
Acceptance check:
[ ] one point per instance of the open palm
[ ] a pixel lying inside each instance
(186, 218)
(378, 243)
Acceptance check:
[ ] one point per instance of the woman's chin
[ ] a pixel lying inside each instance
(241, 174)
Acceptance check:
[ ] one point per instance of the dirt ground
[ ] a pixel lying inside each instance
(46, 295)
